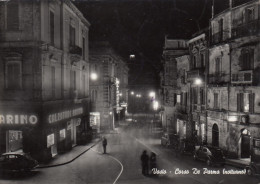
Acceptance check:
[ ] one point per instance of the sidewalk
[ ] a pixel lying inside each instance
(65, 158)
(240, 163)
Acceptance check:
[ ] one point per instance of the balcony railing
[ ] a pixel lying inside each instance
(195, 73)
(217, 78)
(247, 29)
(242, 77)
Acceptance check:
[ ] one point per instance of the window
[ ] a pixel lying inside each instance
(13, 75)
(52, 28)
(202, 60)
(218, 66)
(194, 96)
(250, 13)
(194, 62)
(202, 96)
(220, 24)
(53, 81)
(184, 98)
(245, 102)
(72, 82)
(12, 15)
(94, 95)
(84, 84)
(178, 98)
(83, 48)
(216, 103)
(247, 56)
(72, 36)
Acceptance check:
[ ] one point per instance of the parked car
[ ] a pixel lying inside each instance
(169, 140)
(17, 162)
(211, 155)
(253, 168)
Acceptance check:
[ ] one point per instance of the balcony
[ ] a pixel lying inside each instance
(242, 77)
(250, 28)
(217, 78)
(75, 54)
(216, 38)
(195, 73)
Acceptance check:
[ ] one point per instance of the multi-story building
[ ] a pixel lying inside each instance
(233, 85)
(44, 76)
(109, 90)
(196, 78)
(172, 49)
(182, 111)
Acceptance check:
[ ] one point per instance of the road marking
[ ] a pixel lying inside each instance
(122, 167)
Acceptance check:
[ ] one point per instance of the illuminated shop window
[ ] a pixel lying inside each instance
(50, 140)
(62, 134)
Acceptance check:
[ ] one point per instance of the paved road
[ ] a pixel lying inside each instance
(122, 165)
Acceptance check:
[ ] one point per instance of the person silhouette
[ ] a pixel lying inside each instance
(104, 143)
(144, 161)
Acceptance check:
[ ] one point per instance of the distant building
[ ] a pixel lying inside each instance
(172, 49)
(44, 77)
(109, 91)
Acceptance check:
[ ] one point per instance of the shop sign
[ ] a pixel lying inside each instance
(52, 118)
(18, 119)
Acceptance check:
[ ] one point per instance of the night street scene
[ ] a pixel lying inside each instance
(129, 91)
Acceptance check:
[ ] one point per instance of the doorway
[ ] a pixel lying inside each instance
(215, 135)
(245, 143)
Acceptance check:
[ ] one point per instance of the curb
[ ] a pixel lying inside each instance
(64, 163)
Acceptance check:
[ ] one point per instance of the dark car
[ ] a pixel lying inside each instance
(253, 169)
(17, 162)
(211, 155)
(169, 140)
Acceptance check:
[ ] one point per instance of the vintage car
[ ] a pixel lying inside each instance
(13, 161)
(211, 155)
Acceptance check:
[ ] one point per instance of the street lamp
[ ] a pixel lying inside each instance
(198, 81)
(152, 94)
(132, 93)
(93, 76)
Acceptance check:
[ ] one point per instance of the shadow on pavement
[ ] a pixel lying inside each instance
(18, 175)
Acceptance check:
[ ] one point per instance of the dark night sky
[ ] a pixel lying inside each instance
(139, 26)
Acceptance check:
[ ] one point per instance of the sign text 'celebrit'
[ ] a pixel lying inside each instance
(52, 118)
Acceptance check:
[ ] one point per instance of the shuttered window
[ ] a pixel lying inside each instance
(12, 15)
(245, 102)
(216, 106)
(52, 27)
(13, 75)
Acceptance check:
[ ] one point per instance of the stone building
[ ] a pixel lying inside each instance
(172, 49)
(182, 110)
(233, 87)
(109, 90)
(44, 77)
(197, 80)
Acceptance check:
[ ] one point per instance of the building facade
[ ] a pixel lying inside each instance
(109, 90)
(172, 49)
(44, 77)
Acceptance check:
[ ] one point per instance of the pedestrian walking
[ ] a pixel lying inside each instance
(153, 164)
(104, 143)
(145, 162)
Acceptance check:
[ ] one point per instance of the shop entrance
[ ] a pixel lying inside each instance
(14, 141)
(245, 143)
(51, 143)
(74, 124)
(215, 135)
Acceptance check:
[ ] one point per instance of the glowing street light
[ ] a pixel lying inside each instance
(132, 93)
(131, 56)
(152, 94)
(198, 81)
(93, 76)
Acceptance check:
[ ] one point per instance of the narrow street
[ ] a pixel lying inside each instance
(122, 165)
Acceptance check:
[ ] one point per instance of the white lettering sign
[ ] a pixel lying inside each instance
(52, 118)
(18, 119)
